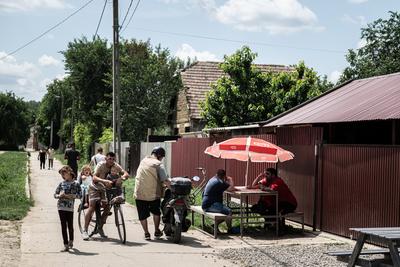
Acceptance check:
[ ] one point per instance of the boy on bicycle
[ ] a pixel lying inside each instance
(95, 192)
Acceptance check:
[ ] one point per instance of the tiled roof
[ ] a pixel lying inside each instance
(375, 98)
(198, 77)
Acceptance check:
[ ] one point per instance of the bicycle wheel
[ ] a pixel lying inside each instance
(95, 222)
(120, 223)
(81, 217)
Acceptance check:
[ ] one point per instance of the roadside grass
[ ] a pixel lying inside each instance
(129, 187)
(14, 204)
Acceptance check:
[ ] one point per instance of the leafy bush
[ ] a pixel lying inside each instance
(107, 136)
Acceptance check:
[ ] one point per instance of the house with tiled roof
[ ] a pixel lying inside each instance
(197, 80)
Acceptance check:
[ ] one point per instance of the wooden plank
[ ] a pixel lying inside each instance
(363, 252)
(376, 229)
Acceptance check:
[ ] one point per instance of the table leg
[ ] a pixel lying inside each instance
(357, 249)
(247, 209)
(241, 216)
(394, 253)
(277, 214)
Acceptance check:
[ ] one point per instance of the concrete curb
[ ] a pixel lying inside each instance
(28, 179)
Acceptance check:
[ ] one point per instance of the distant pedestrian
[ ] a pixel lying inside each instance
(42, 158)
(50, 156)
(99, 157)
(66, 192)
(72, 156)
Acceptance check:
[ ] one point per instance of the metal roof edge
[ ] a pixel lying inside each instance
(221, 129)
(264, 123)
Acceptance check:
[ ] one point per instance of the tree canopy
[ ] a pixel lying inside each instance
(148, 85)
(14, 120)
(380, 53)
(245, 94)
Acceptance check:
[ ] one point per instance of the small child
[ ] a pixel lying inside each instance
(66, 192)
(115, 177)
(86, 178)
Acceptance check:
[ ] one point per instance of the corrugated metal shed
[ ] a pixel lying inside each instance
(376, 98)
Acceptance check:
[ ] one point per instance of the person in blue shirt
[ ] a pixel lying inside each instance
(213, 196)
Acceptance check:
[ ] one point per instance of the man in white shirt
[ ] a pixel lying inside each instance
(99, 157)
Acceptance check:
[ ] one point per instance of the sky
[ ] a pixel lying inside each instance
(282, 32)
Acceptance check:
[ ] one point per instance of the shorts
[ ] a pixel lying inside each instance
(218, 207)
(97, 192)
(145, 207)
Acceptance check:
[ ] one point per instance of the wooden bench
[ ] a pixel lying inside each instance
(344, 256)
(214, 216)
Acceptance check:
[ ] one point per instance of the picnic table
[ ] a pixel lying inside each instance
(242, 193)
(388, 236)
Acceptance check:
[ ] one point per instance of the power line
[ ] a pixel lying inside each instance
(133, 13)
(101, 17)
(44, 33)
(242, 42)
(126, 15)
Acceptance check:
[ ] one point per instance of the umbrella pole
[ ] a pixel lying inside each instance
(247, 172)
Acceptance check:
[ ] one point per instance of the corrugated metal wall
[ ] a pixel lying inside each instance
(299, 176)
(188, 153)
(300, 173)
(360, 187)
(354, 185)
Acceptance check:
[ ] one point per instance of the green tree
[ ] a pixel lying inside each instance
(14, 121)
(89, 67)
(149, 84)
(245, 94)
(290, 89)
(239, 96)
(107, 136)
(381, 52)
(56, 105)
(83, 139)
(33, 108)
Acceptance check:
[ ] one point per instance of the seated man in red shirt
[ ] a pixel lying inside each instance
(266, 205)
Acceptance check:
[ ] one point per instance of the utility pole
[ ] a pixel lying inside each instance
(51, 132)
(61, 145)
(116, 97)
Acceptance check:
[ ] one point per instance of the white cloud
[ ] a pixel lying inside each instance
(359, 20)
(11, 68)
(186, 51)
(46, 60)
(25, 5)
(357, 1)
(21, 78)
(334, 76)
(273, 16)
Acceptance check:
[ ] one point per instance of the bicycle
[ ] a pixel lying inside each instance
(96, 223)
(200, 187)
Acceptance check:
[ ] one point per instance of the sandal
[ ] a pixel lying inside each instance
(158, 233)
(147, 236)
